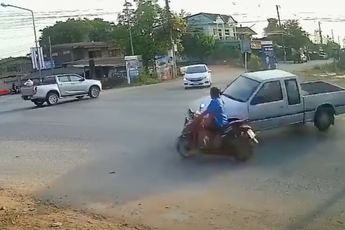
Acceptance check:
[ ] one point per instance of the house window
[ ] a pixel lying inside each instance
(220, 34)
(227, 33)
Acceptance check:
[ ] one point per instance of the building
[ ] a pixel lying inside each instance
(106, 58)
(245, 33)
(72, 52)
(12, 70)
(222, 27)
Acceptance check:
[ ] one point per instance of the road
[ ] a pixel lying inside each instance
(116, 156)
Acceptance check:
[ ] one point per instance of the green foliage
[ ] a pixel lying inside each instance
(198, 45)
(226, 51)
(147, 79)
(290, 34)
(296, 37)
(77, 30)
(254, 63)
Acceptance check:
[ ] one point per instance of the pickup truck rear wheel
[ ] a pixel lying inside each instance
(52, 98)
(94, 91)
(324, 118)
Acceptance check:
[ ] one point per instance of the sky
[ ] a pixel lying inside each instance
(16, 33)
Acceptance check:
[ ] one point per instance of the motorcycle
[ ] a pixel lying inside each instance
(237, 139)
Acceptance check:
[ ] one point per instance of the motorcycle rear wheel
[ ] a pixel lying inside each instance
(182, 146)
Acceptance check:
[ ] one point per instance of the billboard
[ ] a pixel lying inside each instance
(37, 58)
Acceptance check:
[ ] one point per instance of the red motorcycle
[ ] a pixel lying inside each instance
(237, 139)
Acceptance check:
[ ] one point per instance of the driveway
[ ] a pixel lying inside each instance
(116, 156)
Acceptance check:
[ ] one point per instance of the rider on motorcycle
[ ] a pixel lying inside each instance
(214, 119)
(216, 110)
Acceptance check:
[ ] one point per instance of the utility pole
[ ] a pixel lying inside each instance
(127, 12)
(169, 21)
(280, 26)
(320, 33)
(37, 57)
(332, 35)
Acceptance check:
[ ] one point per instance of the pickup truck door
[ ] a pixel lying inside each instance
(64, 84)
(78, 85)
(294, 102)
(267, 106)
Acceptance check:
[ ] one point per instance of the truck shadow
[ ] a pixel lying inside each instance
(45, 106)
(286, 144)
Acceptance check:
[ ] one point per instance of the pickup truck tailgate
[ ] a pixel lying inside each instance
(28, 91)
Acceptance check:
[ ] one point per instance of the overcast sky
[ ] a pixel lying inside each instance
(17, 37)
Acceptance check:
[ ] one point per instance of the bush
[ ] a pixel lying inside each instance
(254, 63)
(148, 79)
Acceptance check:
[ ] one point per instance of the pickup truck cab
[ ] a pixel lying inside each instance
(274, 98)
(51, 88)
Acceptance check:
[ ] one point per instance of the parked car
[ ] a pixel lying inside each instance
(274, 98)
(52, 88)
(197, 76)
(300, 58)
(323, 56)
(4, 92)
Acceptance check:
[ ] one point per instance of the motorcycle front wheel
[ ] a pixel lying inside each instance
(183, 147)
(243, 149)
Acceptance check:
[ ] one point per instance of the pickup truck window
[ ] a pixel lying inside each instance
(269, 92)
(292, 91)
(241, 89)
(74, 78)
(63, 78)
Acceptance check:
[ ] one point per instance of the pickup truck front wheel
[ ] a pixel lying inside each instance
(52, 98)
(324, 118)
(94, 91)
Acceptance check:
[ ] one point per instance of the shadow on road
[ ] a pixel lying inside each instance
(40, 107)
(119, 176)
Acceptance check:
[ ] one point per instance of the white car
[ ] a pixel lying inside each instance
(197, 76)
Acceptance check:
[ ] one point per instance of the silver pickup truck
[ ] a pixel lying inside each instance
(275, 98)
(51, 88)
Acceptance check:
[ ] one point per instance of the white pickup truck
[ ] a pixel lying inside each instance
(275, 98)
(51, 88)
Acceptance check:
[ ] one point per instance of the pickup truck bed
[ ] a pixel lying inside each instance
(319, 87)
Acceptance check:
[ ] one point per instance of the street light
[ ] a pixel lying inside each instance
(33, 23)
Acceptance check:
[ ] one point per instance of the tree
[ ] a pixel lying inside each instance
(295, 36)
(77, 30)
(151, 30)
(273, 31)
(198, 45)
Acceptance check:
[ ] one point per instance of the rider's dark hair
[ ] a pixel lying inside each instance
(215, 92)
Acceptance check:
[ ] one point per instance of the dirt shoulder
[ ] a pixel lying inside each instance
(22, 212)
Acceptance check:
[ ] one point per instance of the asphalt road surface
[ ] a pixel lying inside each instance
(115, 155)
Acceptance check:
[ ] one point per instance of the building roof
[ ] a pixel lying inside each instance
(245, 30)
(268, 75)
(83, 45)
(213, 17)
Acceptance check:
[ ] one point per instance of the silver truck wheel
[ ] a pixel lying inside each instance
(52, 98)
(324, 118)
(94, 91)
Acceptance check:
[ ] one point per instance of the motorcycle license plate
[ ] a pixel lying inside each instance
(251, 134)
